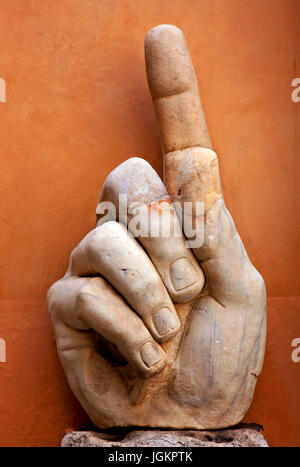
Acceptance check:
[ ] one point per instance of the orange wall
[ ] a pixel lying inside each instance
(77, 106)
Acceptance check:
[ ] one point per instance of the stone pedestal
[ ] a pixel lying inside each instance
(242, 436)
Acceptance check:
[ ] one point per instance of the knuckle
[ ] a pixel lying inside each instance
(52, 296)
(82, 301)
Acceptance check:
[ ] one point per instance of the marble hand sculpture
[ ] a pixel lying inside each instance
(151, 332)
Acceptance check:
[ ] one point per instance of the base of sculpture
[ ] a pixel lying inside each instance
(240, 436)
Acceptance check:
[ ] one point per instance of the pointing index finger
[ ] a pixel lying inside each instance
(174, 89)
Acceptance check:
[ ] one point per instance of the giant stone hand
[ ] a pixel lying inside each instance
(149, 331)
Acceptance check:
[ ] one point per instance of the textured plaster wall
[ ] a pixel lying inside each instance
(77, 105)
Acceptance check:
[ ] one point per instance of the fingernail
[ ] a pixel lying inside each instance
(150, 354)
(165, 321)
(183, 274)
